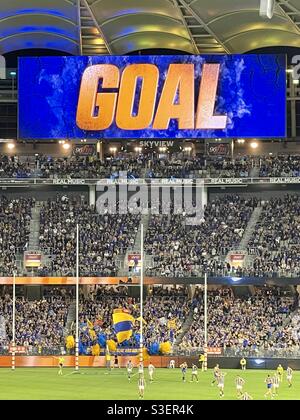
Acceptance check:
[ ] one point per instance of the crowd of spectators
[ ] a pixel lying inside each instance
(253, 323)
(88, 167)
(280, 166)
(174, 246)
(14, 167)
(149, 166)
(179, 249)
(200, 167)
(260, 322)
(40, 324)
(102, 237)
(289, 336)
(275, 241)
(165, 310)
(15, 216)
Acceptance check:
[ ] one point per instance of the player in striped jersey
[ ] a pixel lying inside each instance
(129, 370)
(183, 368)
(239, 384)
(276, 381)
(289, 376)
(151, 369)
(221, 383)
(194, 374)
(216, 374)
(141, 385)
(141, 369)
(245, 396)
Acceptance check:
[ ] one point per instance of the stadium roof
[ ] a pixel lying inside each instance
(123, 26)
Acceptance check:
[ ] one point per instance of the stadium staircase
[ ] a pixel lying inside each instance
(254, 173)
(19, 263)
(288, 321)
(33, 244)
(243, 246)
(186, 326)
(143, 172)
(123, 270)
(145, 219)
(250, 228)
(33, 240)
(2, 329)
(71, 318)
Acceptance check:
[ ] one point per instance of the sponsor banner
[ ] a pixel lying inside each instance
(32, 260)
(148, 97)
(67, 181)
(281, 280)
(69, 280)
(176, 181)
(17, 349)
(222, 181)
(134, 260)
(237, 260)
(84, 150)
(237, 257)
(218, 149)
(214, 350)
(91, 361)
(283, 180)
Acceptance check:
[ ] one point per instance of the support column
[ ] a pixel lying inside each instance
(204, 196)
(92, 195)
(191, 291)
(293, 107)
(100, 150)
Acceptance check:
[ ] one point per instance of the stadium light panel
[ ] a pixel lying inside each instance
(267, 8)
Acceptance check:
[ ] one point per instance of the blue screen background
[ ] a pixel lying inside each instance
(251, 92)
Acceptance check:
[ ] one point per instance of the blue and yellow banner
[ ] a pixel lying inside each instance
(123, 325)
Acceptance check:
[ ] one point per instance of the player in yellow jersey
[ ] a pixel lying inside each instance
(280, 372)
(202, 362)
(243, 363)
(61, 362)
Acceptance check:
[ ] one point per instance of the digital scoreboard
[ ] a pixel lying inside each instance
(218, 96)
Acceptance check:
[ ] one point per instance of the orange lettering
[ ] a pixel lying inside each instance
(149, 74)
(96, 110)
(180, 78)
(206, 120)
(88, 117)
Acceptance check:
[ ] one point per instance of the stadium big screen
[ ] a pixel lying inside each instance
(222, 96)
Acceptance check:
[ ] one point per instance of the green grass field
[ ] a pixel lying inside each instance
(40, 384)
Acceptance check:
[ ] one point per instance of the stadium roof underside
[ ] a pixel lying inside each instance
(123, 26)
